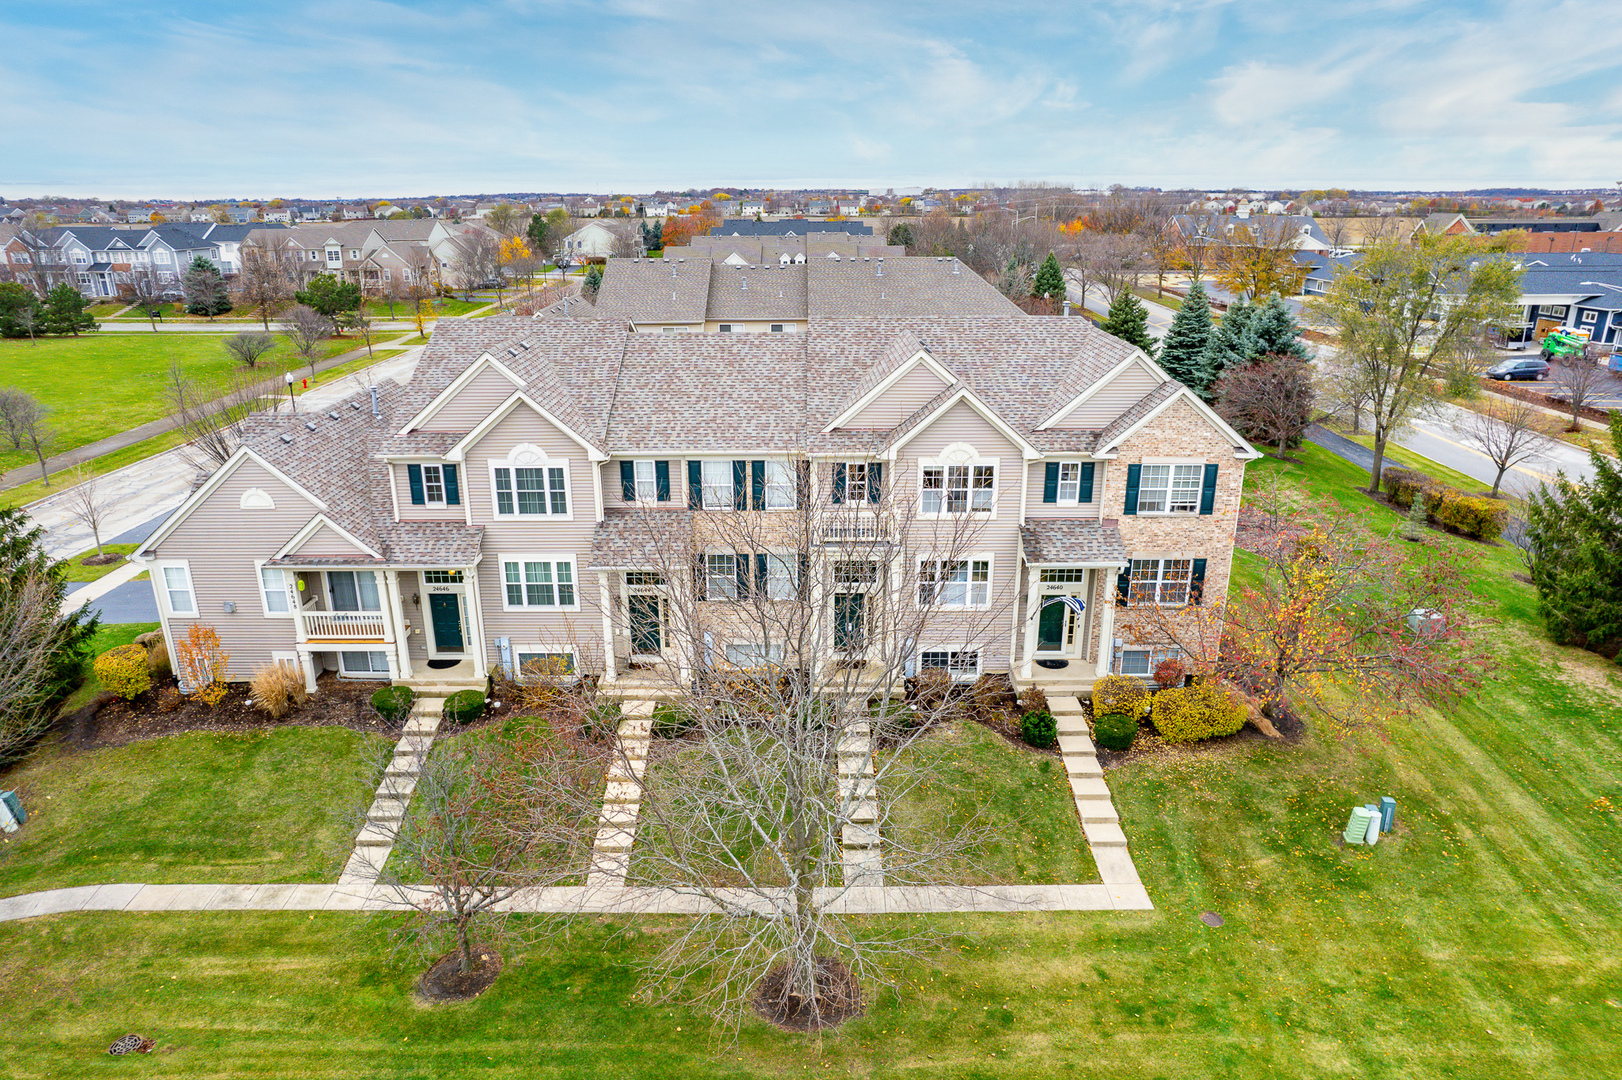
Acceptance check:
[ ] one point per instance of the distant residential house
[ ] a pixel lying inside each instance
(593, 240)
(283, 214)
(660, 209)
(751, 207)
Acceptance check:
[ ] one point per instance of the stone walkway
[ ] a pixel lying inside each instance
(863, 861)
(1099, 821)
(622, 799)
(376, 839)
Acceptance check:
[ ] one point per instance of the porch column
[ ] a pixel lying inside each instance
(1033, 608)
(605, 602)
(475, 619)
(402, 639)
(1106, 627)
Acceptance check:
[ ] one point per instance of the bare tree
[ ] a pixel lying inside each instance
(477, 260)
(88, 503)
(1197, 236)
(264, 283)
(29, 420)
(1509, 431)
(361, 320)
(248, 346)
(1159, 240)
(29, 612)
(14, 407)
(507, 219)
(307, 329)
(1578, 381)
(1270, 400)
(212, 419)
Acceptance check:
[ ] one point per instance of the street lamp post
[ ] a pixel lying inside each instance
(291, 400)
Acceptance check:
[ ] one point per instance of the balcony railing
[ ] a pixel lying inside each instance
(855, 531)
(345, 626)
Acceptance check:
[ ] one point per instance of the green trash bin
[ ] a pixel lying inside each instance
(1357, 828)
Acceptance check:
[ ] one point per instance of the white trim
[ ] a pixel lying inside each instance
(986, 413)
(947, 460)
(161, 582)
(256, 499)
(968, 559)
(905, 368)
(1138, 357)
(447, 395)
(551, 560)
(500, 413)
(211, 485)
(979, 660)
(1242, 448)
(530, 456)
(312, 527)
(259, 569)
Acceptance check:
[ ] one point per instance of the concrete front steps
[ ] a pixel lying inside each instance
(622, 798)
(376, 838)
(1099, 821)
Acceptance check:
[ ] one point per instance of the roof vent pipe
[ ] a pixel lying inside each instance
(375, 410)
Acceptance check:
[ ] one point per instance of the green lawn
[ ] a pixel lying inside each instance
(1169, 300)
(266, 806)
(1481, 940)
(107, 637)
(77, 571)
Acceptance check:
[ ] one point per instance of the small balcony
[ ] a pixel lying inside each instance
(344, 626)
(856, 530)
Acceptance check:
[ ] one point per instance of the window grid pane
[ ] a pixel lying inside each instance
(647, 485)
(433, 484)
(934, 489)
(957, 489)
(565, 584)
(275, 588)
(717, 478)
(1185, 489)
(504, 491)
(560, 497)
(779, 486)
(515, 585)
(538, 584)
(983, 487)
(722, 577)
(531, 490)
(856, 482)
(1153, 482)
(1069, 481)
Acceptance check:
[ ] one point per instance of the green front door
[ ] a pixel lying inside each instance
(1050, 626)
(645, 624)
(848, 611)
(445, 613)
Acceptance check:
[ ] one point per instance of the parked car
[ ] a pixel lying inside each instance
(1529, 369)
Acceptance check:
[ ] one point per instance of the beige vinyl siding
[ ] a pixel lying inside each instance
(225, 572)
(475, 401)
(909, 394)
(1111, 400)
(416, 617)
(326, 542)
(1036, 476)
(554, 631)
(410, 511)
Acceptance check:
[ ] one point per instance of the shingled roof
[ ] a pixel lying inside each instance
(1047, 543)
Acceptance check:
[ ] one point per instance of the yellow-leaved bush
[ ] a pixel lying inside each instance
(1119, 694)
(1191, 713)
(124, 671)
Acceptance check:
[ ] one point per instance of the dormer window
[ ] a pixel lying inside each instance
(529, 484)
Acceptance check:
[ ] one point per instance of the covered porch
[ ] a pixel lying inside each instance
(1063, 637)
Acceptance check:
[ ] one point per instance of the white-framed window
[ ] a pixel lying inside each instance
(273, 591)
(958, 489)
(780, 485)
(354, 253)
(718, 490)
(334, 257)
(1160, 581)
(1144, 661)
(647, 481)
(849, 573)
(954, 583)
(160, 256)
(536, 661)
(529, 484)
(1069, 481)
(782, 577)
(962, 664)
(433, 485)
(442, 577)
(538, 581)
(856, 481)
(366, 665)
(1170, 489)
(79, 258)
(179, 598)
(749, 655)
(721, 576)
(1588, 316)
(353, 590)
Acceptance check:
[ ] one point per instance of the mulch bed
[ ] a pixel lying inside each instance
(442, 982)
(102, 560)
(838, 998)
(163, 710)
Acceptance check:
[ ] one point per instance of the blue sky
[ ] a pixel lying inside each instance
(364, 97)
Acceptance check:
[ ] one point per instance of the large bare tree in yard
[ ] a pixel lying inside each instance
(477, 260)
(307, 331)
(28, 424)
(1509, 431)
(1577, 382)
(212, 417)
(265, 283)
(88, 502)
(796, 611)
(247, 347)
(1403, 306)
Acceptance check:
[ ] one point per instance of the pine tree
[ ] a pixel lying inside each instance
(1049, 282)
(1231, 344)
(1128, 321)
(1276, 333)
(206, 293)
(65, 311)
(1573, 552)
(1186, 352)
(21, 554)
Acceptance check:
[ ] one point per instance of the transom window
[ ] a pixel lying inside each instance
(958, 489)
(961, 664)
(442, 577)
(531, 491)
(856, 573)
(1170, 489)
(643, 578)
(1160, 581)
(956, 583)
(539, 583)
(1064, 575)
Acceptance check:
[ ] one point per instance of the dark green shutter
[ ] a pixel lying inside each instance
(1208, 492)
(760, 573)
(1133, 473)
(803, 480)
(695, 485)
(700, 582)
(757, 484)
(875, 481)
(414, 474)
(661, 480)
(1086, 482)
(1196, 581)
(1123, 588)
(1050, 483)
(839, 482)
(803, 585)
(740, 564)
(628, 481)
(453, 490)
(740, 485)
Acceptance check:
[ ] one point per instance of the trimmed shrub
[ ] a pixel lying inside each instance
(1193, 713)
(123, 671)
(393, 703)
(1472, 515)
(1170, 672)
(672, 721)
(1034, 699)
(1115, 731)
(602, 721)
(1039, 729)
(1400, 484)
(464, 706)
(1120, 694)
(277, 689)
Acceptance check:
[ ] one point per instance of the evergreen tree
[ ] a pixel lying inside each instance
(65, 311)
(22, 554)
(1128, 321)
(536, 232)
(1049, 282)
(593, 282)
(1573, 551)
(329, 296)
(1186, 352)
(206, 293)
(1231, 344)
(20, 311)
(1275, 332)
